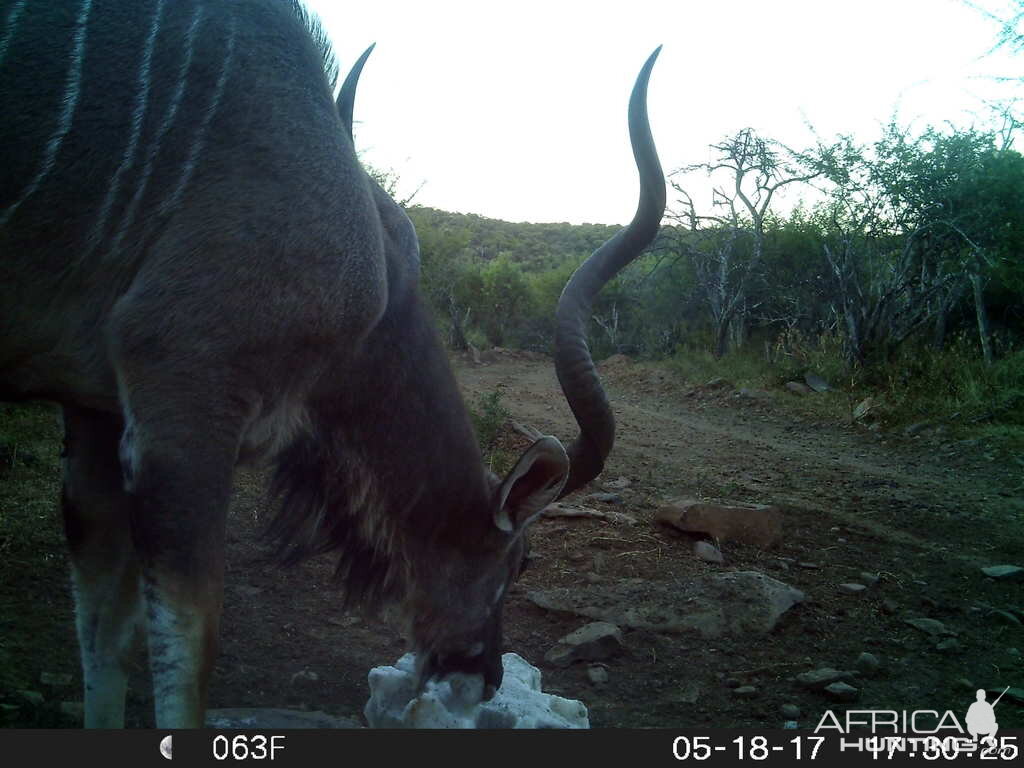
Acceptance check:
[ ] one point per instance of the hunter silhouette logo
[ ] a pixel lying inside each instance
(981, 717)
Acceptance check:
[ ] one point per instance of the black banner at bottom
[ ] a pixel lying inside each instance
(623, 748)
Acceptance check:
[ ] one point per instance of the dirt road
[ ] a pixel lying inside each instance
(923, 513)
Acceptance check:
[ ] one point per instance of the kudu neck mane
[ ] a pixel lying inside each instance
(349, 484)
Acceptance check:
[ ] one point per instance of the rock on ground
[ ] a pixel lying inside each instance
(760, 525)
(820, 679)
(790, 711)
(852, 588)
(739, 603)
(842, 692)
(867, 664)
(455, 701)
(591, 642)
(815, 382)
(1004, 572)
(932, 627)
(709, 553)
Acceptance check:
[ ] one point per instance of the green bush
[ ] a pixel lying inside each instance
(742, 368)
(490, 417)
(795, 353)
(955, 383)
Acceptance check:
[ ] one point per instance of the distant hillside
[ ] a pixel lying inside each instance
(524, 243)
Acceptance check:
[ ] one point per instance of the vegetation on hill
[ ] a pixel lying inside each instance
(903, 275)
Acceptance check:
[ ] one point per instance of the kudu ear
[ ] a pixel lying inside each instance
(533, 483)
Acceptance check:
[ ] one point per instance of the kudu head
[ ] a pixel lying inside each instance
(456, 614)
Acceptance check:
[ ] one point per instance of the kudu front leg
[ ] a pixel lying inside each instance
(179, 461)
(104, 568)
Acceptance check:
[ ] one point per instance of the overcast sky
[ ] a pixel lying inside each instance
(517, 110)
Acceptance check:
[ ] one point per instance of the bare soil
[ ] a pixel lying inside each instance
(924, 513)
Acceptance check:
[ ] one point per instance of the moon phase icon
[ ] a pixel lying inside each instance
(165, 747)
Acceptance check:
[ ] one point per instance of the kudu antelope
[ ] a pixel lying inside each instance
(196, 268)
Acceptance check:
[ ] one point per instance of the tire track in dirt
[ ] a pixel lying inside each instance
(758, 451)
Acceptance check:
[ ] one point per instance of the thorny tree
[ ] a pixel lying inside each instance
(728, 248)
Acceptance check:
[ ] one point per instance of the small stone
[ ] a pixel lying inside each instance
(1013, 652)
(798, 388)
(842, 692)
(618, 484)
(818, 679)
(790, 711)
(889, 606)
(597, 640)
(949, 645)
(931, 627)
(870, 579)
(745, 691)
(604, 498)
(592, 578)
(707, 552)
(808, 566)
(863, 408)
(852, 589)
(305, 676)
(867, 664)
(1004, 572)
(597, 674)
(967, 685)
(815, 382)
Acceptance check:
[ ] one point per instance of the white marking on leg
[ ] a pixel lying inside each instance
(128, 449)
(199, 140)
(165, 126)
(106, 631)
(138, 115)
(13, 17)
(175, 660)
(72, 89)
